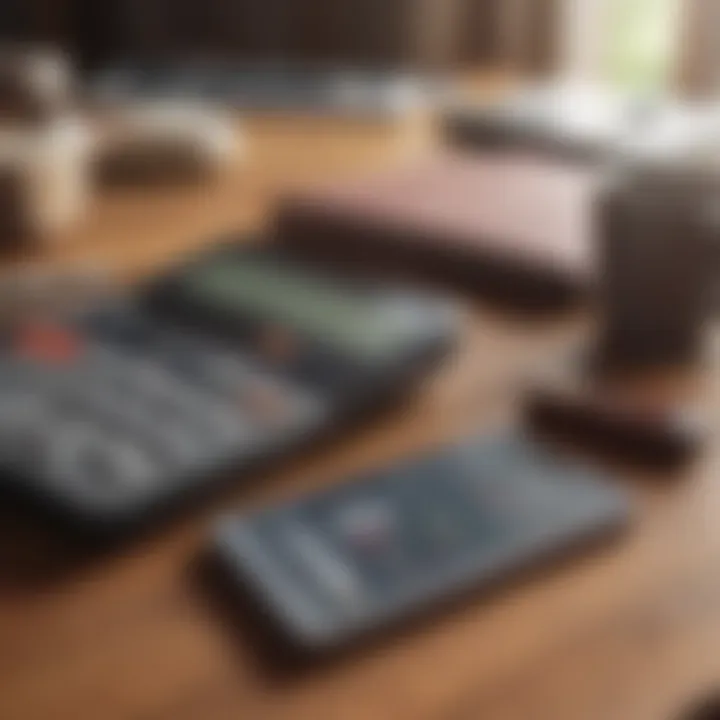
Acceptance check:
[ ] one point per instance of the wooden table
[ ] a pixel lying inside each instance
(628, 633)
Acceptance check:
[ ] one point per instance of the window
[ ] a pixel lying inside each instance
(628, 43)
(641, 42)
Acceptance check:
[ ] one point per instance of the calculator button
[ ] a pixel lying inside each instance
(165, 417)
(124, 464)
(265, 403)
(188, 364)
(214, 370)
(143, 388)
(68, 446)
(24, 442)
(278, 345)
(179, 443)
(83, 455)
(48, 343)
(20, 413)
(19, 408)
(106, 371)
(151, 376)
(163, 392)
(224, 426)
(124, 329)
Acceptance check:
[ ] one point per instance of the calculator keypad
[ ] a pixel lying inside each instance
(116, 410)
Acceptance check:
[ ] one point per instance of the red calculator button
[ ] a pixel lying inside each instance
(49, 343)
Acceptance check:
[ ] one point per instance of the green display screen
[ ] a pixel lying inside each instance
(352, 321)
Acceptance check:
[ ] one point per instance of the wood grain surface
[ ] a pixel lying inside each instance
(629, 632)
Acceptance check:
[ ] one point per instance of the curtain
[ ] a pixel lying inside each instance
(698, 68)
(522, 35)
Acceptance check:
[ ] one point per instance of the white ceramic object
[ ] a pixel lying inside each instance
(46, 169)
(36, 84)
(155, 137)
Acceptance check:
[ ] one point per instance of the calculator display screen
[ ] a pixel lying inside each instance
(350, 320)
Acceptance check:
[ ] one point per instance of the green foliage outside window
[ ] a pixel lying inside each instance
(640, 41)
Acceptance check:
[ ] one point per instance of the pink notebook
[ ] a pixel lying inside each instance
(511, 223)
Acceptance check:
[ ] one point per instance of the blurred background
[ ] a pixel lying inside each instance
(638, 43)
(106, 104)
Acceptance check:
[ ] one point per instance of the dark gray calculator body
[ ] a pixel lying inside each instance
(237, 357)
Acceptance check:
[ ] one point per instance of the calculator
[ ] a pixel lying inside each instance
(237, 356)
(337, 564)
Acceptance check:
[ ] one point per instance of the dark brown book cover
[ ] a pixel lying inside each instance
(514, 225)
